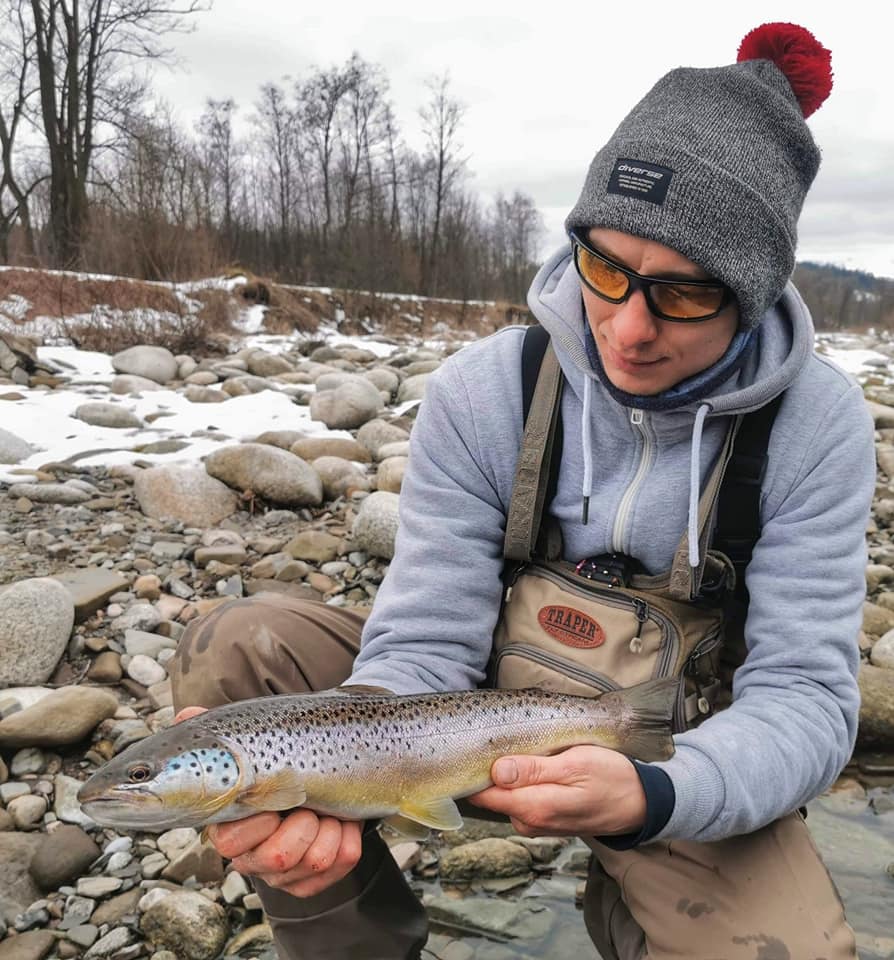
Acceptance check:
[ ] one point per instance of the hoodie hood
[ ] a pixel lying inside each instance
(763, 367)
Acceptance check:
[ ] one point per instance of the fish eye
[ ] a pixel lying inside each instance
(139, 773)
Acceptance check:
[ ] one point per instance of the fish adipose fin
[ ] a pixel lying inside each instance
(439, 814)
(280, 791)
(648, 712)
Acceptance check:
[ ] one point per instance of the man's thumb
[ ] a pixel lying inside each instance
(516, 771)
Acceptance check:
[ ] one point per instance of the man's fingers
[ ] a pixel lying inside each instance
(332, 855)
(284, 848)
(238, 837)
(188, 712)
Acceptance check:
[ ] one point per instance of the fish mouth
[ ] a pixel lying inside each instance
(142, 812)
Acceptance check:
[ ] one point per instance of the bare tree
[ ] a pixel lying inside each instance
(441, 119)
(84, 53)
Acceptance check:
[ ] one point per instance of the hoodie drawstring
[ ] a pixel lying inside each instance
(587, 444)
(694, 482)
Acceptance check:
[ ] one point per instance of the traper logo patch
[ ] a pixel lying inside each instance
(571, 627)
(640, 179)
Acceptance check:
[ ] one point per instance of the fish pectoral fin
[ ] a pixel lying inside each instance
(280, 791)
(439, 814)
(407, 827)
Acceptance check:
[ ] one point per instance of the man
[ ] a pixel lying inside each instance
(670, 315)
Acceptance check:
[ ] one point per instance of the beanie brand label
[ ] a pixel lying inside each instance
(638, 178)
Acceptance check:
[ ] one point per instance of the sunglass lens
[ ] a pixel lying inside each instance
(687, 302)
(602, 276)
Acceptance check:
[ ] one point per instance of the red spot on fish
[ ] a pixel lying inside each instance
(571, 627)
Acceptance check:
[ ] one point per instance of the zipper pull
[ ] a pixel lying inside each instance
(636, 416)
(641, 612)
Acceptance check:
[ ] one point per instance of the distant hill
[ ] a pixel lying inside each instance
(841, 299)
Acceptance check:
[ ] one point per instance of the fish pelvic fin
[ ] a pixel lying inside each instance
(407, 828)
(439, 814)
(647, 710)
(282, 790)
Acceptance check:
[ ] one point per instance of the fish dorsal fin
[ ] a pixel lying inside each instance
(407, 827)
(439, 814)
(280, 791)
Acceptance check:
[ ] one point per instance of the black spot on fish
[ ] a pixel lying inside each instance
(176, 766)
(225, 780)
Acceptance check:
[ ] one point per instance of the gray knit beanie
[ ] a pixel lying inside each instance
(715, 163)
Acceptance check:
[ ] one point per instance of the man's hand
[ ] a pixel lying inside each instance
(300, 853)
(583, 791)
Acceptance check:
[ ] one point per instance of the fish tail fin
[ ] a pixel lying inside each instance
(648, 712)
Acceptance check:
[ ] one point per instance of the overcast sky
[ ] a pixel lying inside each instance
(545, 84)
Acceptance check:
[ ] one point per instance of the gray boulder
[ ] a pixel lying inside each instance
(492, 857)
(36, 617)
(62, 857)
(107, 415)
(62, 717)
(153, 363)
(350, 405)
(271, 473)
(375, 526)
(187, 924)
(13, 449)
(184, 493)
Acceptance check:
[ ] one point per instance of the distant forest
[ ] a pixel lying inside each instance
(840, 299)
(312, 182)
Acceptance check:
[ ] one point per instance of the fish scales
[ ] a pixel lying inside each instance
(361, 756)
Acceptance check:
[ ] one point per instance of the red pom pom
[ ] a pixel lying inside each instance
(806, 63)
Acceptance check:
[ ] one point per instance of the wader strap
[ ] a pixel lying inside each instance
(532, 474)
(685, 580)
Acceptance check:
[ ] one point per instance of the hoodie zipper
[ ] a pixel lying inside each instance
(638, 418)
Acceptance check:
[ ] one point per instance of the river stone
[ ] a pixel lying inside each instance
(36, 617)
(153, 363)
(115, 940)
(196, 394)
(31, 945)
(17, 887)
(65, 801)
(202, 378)
(145, 670)
(90, 588)
(107, 415)
(188, 925)
(129, 383)
(65, 716)
(504, 919)
(876, 729)
(314, 545)
(884, 455)
(311, 448)
(400, 448)
(390, 475)
(284, 439)
(348, 406)
(413, 388)
(375, 526)
(27, 812)
(271, 473)
(199, 860)
(882, 653)
(383, 379)
(339, 476)
(882, 415)
(263, 364)
(184, 493)
(116, 908)
(13, 449)
(377, 433)
(492, 857)
(65, 494)
(877, 620)
(62, 857)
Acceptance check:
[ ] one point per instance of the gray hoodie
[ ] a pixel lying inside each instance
(792, 725)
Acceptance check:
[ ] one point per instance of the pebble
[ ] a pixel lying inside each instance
(98, 887)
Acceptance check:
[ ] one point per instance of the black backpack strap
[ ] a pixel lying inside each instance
(738, 523)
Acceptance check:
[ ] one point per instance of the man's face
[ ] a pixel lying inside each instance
(641, 353)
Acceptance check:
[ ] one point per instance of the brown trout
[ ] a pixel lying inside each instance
(404, 759)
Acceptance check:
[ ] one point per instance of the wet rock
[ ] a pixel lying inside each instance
(13, 449)
(188, 925)
(60, 493)
(62, 857)
(377, 433)
(90, 588)
(491, 857)
(153, 363)
(347, 406)
(876, 727)
(503, 919)
(64, 716)
(271, 473)
(311, 448)
(184, 493)
(110, 415)
(36, 618)
(375, 526)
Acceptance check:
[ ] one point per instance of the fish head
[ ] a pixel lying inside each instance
(184, 776)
